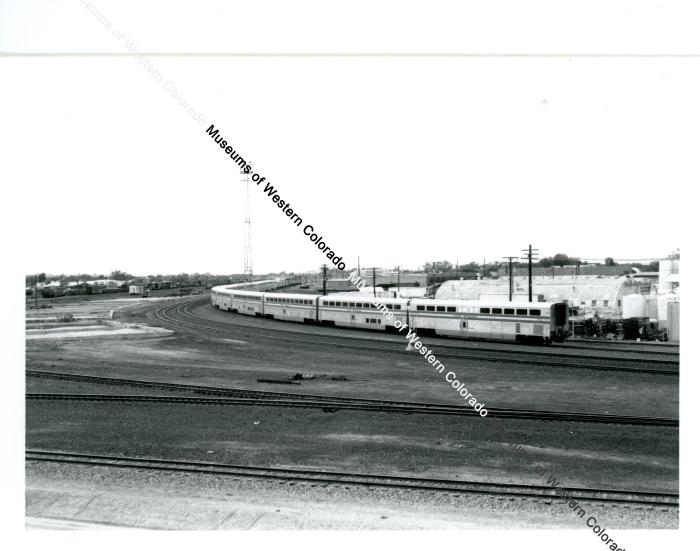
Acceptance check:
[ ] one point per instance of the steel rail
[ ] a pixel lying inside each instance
(162, 315)
(351, 404)
(531, 491)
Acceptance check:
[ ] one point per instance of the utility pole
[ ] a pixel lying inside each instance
(530, 252)
(325, 270)
(484, 276)
(398, 284)
(374, 281)
(510, 277)
(36, 291)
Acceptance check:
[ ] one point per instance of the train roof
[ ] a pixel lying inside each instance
(233, 288)
(362, 297)
(291, 295)
(481, 303)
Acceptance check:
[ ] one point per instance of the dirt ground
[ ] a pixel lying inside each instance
(128, 344)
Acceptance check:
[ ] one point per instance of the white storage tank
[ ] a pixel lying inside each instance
(633, 306)
(662, 306)
(666, 269)
(674, 321)
(652, 308)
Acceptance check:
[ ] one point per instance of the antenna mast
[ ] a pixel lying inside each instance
(248, 245)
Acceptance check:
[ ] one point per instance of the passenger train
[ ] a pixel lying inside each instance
(536, 322)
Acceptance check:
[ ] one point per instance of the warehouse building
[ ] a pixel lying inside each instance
(588, 294)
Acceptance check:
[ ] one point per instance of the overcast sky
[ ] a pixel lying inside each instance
(398, 160)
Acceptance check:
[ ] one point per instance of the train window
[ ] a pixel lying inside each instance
(366, 320)
(583, 303)
(451, 309)
(397, 307)
(484, 310)
(594, 302)
(430, 308)
(510, 311)
(345, 304)
(496, 310)
(522, 312)
(440, 308)
(619, 303)
(605, 303)
(420, 307)
(366, 305)
(535, 312)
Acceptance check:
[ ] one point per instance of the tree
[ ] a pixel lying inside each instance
(559, 259)
(610, 262)
(120, 276)
(440, 266)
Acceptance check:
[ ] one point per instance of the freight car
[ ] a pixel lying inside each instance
(540, 322)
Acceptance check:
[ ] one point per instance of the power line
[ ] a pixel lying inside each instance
(510, 276)
(530, 253)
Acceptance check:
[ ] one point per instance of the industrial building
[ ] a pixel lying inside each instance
(587, 294)
(653, 296)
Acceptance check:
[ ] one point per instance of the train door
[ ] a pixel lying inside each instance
(496, 329)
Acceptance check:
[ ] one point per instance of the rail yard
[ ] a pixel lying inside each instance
(169, 412)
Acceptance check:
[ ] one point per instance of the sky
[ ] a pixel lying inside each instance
(399, 160)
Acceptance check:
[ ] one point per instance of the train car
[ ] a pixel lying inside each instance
(358, 311)
(238, 301)
(541, 322)
(220, 298)
(290, 307)
(537, 322)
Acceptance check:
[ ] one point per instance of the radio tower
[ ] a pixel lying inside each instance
(248, 245)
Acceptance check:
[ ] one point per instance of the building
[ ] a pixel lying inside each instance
(601, 295)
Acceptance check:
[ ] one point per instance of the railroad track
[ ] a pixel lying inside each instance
(525, 491)
(514, 356)
(236, 397)
(660, 349)
(465, 344)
